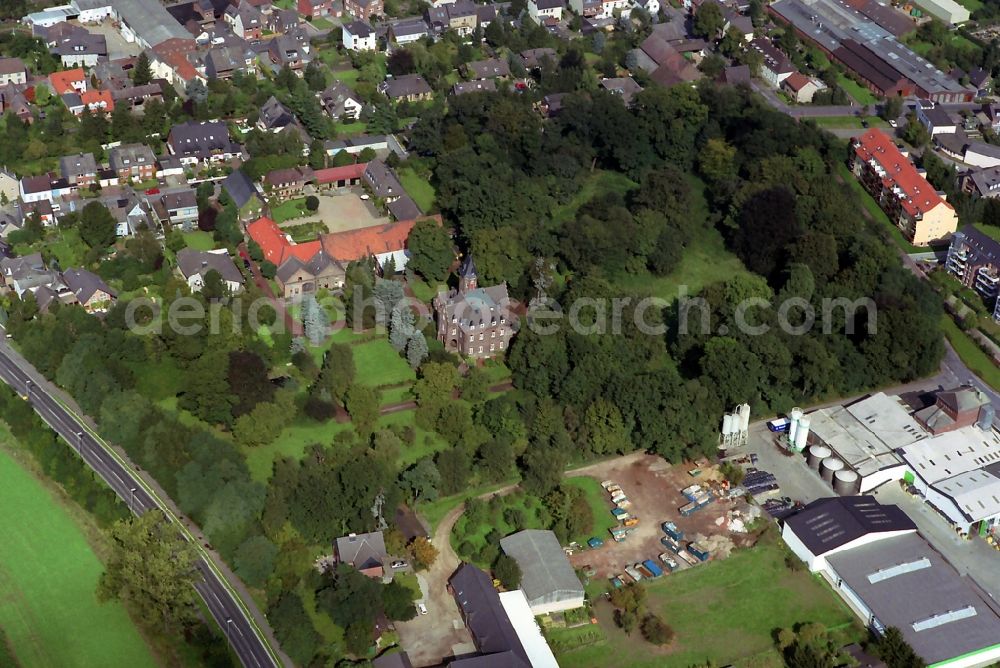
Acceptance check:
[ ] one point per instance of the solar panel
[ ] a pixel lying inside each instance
(944, 618)
(900, 569)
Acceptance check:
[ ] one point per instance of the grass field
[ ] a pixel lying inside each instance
(971, 5)
(293, 208)
(379, 364)
(861, 94)
(418, 188)
(350, 129)
(48, 574)
(199, 240)
(599, 504)
(723, 613)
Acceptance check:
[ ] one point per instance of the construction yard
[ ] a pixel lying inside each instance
(653, 488)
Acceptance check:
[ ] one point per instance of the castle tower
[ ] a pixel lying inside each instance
(467, 278)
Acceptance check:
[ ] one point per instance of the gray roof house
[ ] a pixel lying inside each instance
(492, 632)
(549, 582)
(477, 86)
(488, 69)
(365, 552)
(275, 116)
(199, 142)
(194, 265)
(410, 87)
(90, 291)
(338, 101)
(75, 168)
(382, 181)
(26, 272)
(244, 194)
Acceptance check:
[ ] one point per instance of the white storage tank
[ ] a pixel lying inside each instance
(802, 434)
(817, 454)
(793, 424)
(846, 482)
(829, 467)
(745, 417)
(727, 424)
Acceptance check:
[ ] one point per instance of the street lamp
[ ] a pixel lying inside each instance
(229, 634)
(131, 503)
(79, 442)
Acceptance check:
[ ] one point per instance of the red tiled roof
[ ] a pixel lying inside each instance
(357, 244)
(347, 172)
(62, 82)
(174, 53)
(96, 97)
(276, 246)
(796, 80)
(919, 196)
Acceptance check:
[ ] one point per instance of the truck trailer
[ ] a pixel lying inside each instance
(698, 551)
(651, 566)
(671, 530)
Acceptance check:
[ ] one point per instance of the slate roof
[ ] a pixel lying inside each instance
(201, 139)
(274, 114)
(240, 188)
(404, 208)
(150, 20)
(404, 86)
(81, 164)
(363, 550)
(489, 68)
(486, 619)
(84, 284)
(194, 262)
(127, 156)
(359, 29)
(477, 86)
(827, 524)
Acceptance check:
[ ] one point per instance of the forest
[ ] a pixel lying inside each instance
(189, 409)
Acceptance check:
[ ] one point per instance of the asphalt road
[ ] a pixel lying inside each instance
(224, 605)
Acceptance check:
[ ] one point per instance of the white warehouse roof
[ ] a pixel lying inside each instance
(952, 453)
(519, 612)
(976, 493)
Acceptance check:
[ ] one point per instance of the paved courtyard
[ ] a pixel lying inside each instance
(342, 211)
(117, 46)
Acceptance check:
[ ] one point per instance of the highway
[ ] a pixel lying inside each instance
(228, 609)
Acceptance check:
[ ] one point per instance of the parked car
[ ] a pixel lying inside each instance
(399, 564)
(595, 542)
(421, 608)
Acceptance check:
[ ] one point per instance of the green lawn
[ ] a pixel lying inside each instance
(199, 240)
(971, 5)
(848, 122)
(600, 505)
(422, 290)
(322, 23)
(350, 129)
(723, 613)
(293, 208)
(861, 94)
(598, 183)
(48, 575)
(349, 77)
(69, 249)
(991, 231)
(970, 353)
(305, 231)
(418, 188)
(378, 364)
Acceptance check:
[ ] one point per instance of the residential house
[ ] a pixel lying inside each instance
(382, 181)
(379, 243)
(340, 102)
(477, 86)
(96, 101)
(80, 169)
(171, 60)
(982, 81)
(131, 213)
(667, 66)
(292, 51)
(651, 7)
(624, 87)
(176, 208)
(610, 7)
(532, 59)
(406, 31)
(23, 274)
(202, 142)
(315, 8)
(802, 88)
(80, 49)
(285, 183)
(365, 552)
(493, 68)
(274, 116)
(43, 187)
(13, 71)
(776, 67)
(364, 9)
(540, 10)
(68, 81)
(589, 9)
(551, 105)
(409, 87)
(981, 182)
(133, 162)
(462, 17)
(245, 20)
(244, 194)
(302, 268)
(135, 97)
(225, 61)
(14, 101)
(486, 14)
(90, 291)
(910, 202)
(472, 321)
(168, 165)
(403, 208)
(194, 265)
(358, 36)
(41, 208)
(285, 21)
(340, 177)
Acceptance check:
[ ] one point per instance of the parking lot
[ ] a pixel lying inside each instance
(653, 489)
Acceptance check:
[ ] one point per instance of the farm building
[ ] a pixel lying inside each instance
(547, 578)
(948, 11)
